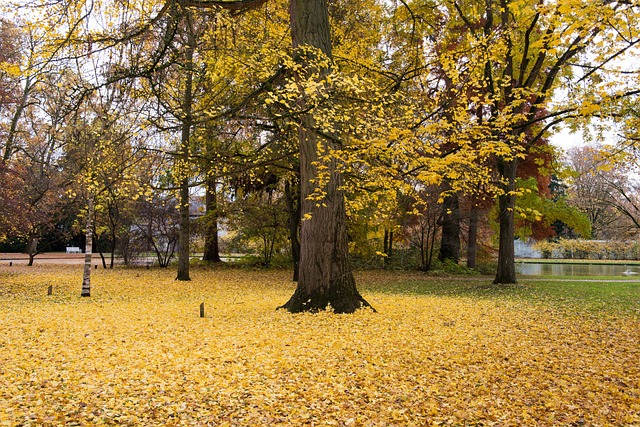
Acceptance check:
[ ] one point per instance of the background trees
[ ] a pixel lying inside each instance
(380, 127)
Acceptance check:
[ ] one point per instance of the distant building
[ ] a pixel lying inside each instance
(524, 249)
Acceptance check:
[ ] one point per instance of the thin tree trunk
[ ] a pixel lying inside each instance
(292, 195)
(423, 250)
(32, 249)
(325, 275)
(88, 250)
(431, 232)
(99, 249)
(114, 237)
(506, 273)
(187, 106)
(450, 238)
(211, 242)
(472, 239)
(113, 251)
(13, 129)
(385, 247)
(184, 233)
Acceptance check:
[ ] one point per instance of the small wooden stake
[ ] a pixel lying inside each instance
(50, 290)
(202, 309)
(10, 263)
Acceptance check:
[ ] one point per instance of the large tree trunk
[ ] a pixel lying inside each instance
(292, 194)
(325, 276)
(211, 242)
(506, 273)
(472, 239)
(88, 250)
(450, 239)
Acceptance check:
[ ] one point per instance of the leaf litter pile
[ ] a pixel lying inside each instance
(138, 353)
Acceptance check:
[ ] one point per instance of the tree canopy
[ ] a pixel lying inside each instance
(369, 118)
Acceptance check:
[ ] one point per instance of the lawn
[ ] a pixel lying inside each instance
(439, 351)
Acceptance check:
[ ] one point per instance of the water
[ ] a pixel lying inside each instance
(566, 269)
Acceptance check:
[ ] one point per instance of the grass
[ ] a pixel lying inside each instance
(611, 296)
(440, 351)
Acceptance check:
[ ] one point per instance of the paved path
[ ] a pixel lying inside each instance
(46, 258)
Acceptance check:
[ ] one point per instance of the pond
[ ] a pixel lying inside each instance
(577, 269)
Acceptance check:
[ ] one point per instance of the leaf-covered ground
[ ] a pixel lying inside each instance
(137, 353)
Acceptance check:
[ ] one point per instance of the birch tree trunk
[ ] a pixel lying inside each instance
(88, 249)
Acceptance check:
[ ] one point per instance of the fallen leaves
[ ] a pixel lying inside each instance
(137, 353)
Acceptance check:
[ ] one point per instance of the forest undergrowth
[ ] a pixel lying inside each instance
(138, 353)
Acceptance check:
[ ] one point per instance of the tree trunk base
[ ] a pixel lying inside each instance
(340, 301)
(504, 281)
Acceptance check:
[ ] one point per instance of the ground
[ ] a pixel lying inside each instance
(437, 352)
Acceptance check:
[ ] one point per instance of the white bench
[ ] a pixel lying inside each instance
(73, 250)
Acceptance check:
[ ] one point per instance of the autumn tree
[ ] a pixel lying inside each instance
(518, 54)
(601, 189)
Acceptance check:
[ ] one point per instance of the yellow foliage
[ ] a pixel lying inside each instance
(137, 353)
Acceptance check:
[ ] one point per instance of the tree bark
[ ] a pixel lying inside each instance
(292, 195)
(325, 277)
(88, 250)
(113, 214)
(13, 129)
(387, 246)
(450, 239)
(211, 242)
(506, 273)
(32, 249)
(187, 107)
(99, 250)
(472, 239)
(184, 233)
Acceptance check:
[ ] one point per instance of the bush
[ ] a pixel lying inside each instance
(588, 249)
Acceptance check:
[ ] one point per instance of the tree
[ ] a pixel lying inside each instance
(260, 215)
(325, 275)
(510, 59)
(210, 222)
(602, 187)
(157, 226)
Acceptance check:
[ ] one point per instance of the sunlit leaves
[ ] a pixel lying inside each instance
(432, 355)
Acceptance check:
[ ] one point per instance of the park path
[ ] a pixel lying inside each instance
(46, 258)
(78, 259)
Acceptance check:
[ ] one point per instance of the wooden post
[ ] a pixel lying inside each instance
(50, 290)
(202, 309)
